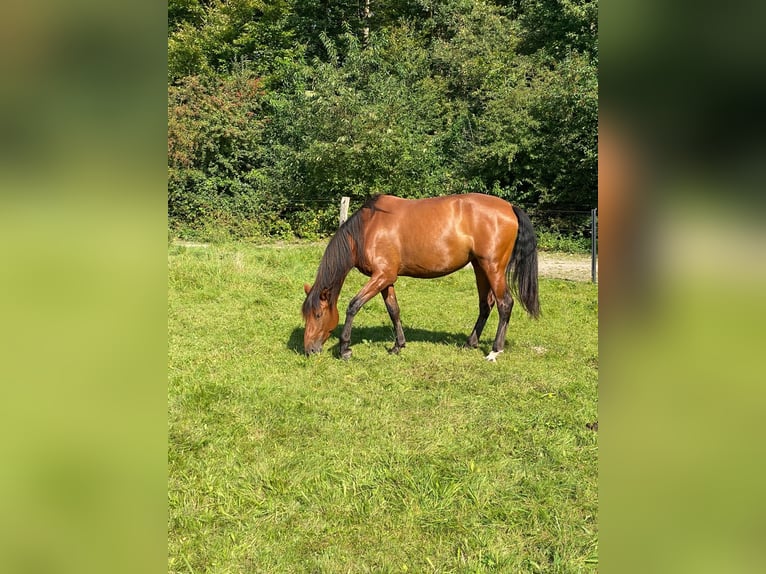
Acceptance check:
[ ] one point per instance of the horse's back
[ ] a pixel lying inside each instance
(446, 208)
(436, 236)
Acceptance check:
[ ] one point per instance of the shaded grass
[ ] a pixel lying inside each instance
(431, 461)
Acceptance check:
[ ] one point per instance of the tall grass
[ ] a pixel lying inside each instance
(430, 461)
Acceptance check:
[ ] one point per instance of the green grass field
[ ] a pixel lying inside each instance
(431, 461)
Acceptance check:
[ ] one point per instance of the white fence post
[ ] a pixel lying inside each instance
(343, 210)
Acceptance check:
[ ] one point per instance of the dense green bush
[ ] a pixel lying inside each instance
(215, 163)
(555, 241)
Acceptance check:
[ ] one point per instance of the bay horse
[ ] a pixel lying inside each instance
(426, 238)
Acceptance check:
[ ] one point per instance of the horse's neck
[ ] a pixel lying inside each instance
(332, 275)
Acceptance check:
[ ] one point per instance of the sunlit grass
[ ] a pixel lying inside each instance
(430, 461)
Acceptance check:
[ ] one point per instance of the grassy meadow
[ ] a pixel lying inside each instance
(431, 461)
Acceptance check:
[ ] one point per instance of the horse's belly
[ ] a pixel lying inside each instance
(428, 273)
(432, 265)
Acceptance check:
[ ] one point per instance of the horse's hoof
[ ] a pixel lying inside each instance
(394, 350)
(345, 355)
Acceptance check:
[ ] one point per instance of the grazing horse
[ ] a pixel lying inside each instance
(426, 238)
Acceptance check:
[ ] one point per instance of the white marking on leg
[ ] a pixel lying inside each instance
(492, 357)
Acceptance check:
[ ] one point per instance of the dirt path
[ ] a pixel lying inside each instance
(565, 266)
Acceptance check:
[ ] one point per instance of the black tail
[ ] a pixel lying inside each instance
(524, 264)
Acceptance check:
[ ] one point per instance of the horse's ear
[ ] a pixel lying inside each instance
(306, 288)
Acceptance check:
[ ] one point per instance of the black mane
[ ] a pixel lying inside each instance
(338, 259)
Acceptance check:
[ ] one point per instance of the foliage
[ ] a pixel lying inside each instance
(215, 161)
(559, 27)
(565, 243)
(430, 461)
(417, 99)
(566, 109)
(211, 37)
(369, 121)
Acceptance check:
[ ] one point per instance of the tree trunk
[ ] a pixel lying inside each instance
(366, 13)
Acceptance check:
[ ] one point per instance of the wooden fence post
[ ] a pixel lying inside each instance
(343, 210)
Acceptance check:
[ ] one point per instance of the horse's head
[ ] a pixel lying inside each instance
(321, 316)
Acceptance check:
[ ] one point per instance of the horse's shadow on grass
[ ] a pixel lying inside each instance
(381, 335)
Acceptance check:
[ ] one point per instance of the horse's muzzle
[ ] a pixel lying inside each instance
(313, 349)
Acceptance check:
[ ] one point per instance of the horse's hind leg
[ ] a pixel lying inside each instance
(494, 274)
(486, 302)
(389, 296)
(499, 286)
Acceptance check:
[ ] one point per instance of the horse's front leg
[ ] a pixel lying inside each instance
(374, 286)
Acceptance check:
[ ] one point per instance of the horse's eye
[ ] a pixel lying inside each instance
(317, 315)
